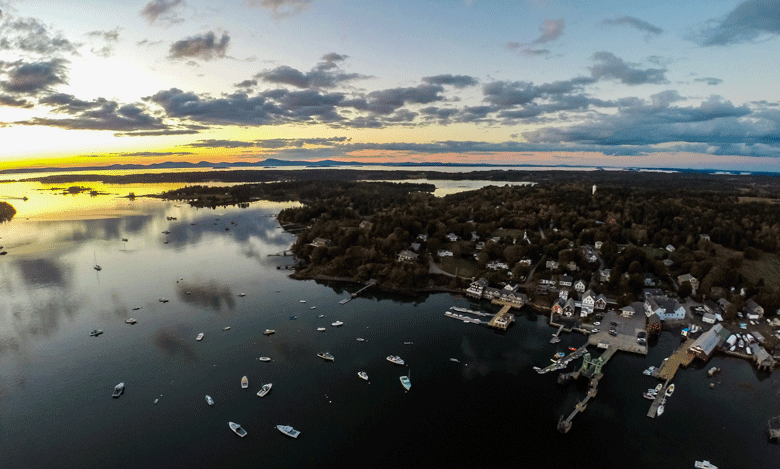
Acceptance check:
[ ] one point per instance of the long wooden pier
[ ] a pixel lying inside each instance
(591, 369)
(659, 399)
(680, 357)
(503, 318)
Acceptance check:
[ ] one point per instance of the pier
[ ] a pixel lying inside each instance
(556, 337)
(590, 369)
(503, 318)
(563, 362)
(680, 358)
(354, 295)
(660, 398)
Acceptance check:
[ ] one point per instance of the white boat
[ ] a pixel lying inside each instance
(209, 400)
(407, 343)
(97, 267)
(454, 360)
(395, 359)
(95, 332)
(713, 370)
(163, 300)
(649, 371)
(264, 390)
(650, 394)
(313, 307)
(226, 328)
(320, 329)
(337, 324)
(405, 382)
(704, 465)
(118, 390)
(741, 343)
(748, 351)
(660, 410)
(237, 429)
(321, 316)
(659, 387)
(269, 331)
(360, 339)
(264, 359)
(242, 295)
(326, 356)
(244, 382)
(303, 301)
(288, 430)
(669, 390)
(199, 337)
(363, 375)
(130, 321)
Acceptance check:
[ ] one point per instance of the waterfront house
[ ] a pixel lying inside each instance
(600, 302)
(580, 286)
(651, 306)
(557, 307)
(753, 310)
(671, 309)
(707, 342)
(452, 237)
(406, 255)
(547, 279)
(568, 308)
(513, 298)
(476, 288)
(762, 357)
(588, 299)
(710, 306)
(565, 281)
(690, 279)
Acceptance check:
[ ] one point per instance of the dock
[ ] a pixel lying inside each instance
(680, 358)
(463, 317)
(354, 295)
(773, 428)
(556, 337)
(563, 362)
(659, 398)
(503, 318)
(590, 369)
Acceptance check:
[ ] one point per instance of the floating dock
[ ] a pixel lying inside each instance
(659, 398)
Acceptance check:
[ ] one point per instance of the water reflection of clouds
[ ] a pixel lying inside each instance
(210, 295)
(171, 341)
(43, 272)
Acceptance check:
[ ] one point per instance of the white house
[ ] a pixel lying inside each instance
(579, 285)
(565, 281)
(600, 302)
(452, 237)
(444, 253)
(476, 288)
(497, 265)
(588, 300)
(407, 255)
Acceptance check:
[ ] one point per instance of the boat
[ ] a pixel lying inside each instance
(269, 331)
(237, 429)
(704, 465)
(326, 356)
(659, 387)
(118, 390)
(741, 343)
(199, 337)
(293, 318)
(669, 390)
(156, 401)
(660, 410)
(130, 321)
(264, 359)
(407, 343)
(650, 394)
(360, 339)
(264, 390)
(649, 371)
(136, 308)
(244, 382)
(337, 324)
(454, 360)
(124, 239)
(321, 316)
(572, 349)
(712, 371)
(395, 359)
(405, 382)
(95, 332)
(303, 301)
(163, 300)
(209, 400)
(559, 355)
(242, 294)
(226, 328)
(748, 351)
(313, 307)
(320, 329)
(363, 375)
(288, 430)
(97, 267)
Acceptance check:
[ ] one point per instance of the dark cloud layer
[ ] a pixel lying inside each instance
(32, 36)
(709, 80)
(204, 46)
(634, 23)
(611, 67)
(749, 20)
(458, 81)
(33, 77)
(326, 74)
(99, 114)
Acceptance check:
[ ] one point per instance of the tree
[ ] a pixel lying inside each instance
(685, 290)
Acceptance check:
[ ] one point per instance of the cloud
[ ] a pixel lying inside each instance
(153, 153)
(551, 30)
(33, 78)
(166, 10)
(326, 74)
(513, 45)
(535, 52)
(98, 114)
(611, 67)
(299, 142)
(749, 20)
(458, 81)
(246, 84)
(204, 46)
(159, 133)
(109, 37)
(11, 101)
(281, 8)
(31, 35)
(634, 23)
(212, 143)
(710, 80)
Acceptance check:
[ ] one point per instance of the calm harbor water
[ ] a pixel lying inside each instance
(491, 409)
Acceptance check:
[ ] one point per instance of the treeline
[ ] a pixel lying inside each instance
(7, 211)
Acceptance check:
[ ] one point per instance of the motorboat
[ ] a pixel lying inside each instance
(405, 382)
(237, 429)
(360, 339)
(395, 359)
(704, 465)
(712, 371)
(326, 356)
(669, 390)
(163, 300)
(244, 382)
(292, 318)
(97, 267)
(650, 394)
(226, 328)
(337, 324)
(264, 390)
(649, 371)
(321, 316)
(407, 343)
(748, 351)
(454, 360)
(303, 301)
(264, 359)
(130, 321)
(313, 307)
(288, 430)
(659, 387)
(118, 390)
(320, 329)
(209, 400)
(363, 375)
(242, 294)
(269, 331)
(199, 337)
(660, 410)
(95, 332)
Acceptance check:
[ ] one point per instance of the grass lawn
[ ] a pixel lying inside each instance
(654, 253)
(464, 267)
(766, 267)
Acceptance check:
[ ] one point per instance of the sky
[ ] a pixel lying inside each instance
(643, 83)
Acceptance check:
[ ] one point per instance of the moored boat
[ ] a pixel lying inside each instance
(395, 359)
(405, 382)
(226, 328)
(264, 359)
(363, 375)
(704, 465)
(118, 390)
(244, 382)
(360, 339)
(649, 371)
(264, 390)
(326, 356)
(660, 410)
(130, 321)
(200, 337)
(669, 390)
(659, 387)
(288, 430)
(269, 331)
(337, 324)
(237, 429)
(320, 329)
(650, 394)
(95, 332)
(209, 400)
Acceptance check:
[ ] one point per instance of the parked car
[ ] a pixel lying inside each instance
(597, 323)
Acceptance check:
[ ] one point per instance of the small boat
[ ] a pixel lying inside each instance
(124, 239)
(660, 410)
(226, 328)
(292, 318)
(264, 359)
(313, 307)
(572, 349)
(363, 375)
(163, 300)
(199, 337)
(320, 329)
(395, 359)
(244, 382)
(405, 382)
(264, 390)
(559, 355)
(95, 332)
(288, 430)
(321, 316)
(407, 343)
(360, 339)
(326, 356)
(237, 429)
(649, 371)
(713, 370)
(166, 232)
(156, 401)
(118, 390)
(242, 295)
(454, 360)
(130, 321)
(659, 387)
(704, 465)
(303, 301)
(669, 390)
(337, 324)
(136, 308)
(748, 351)
(97, 267)
(209, 400)
(269, 331)
(649, 395)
